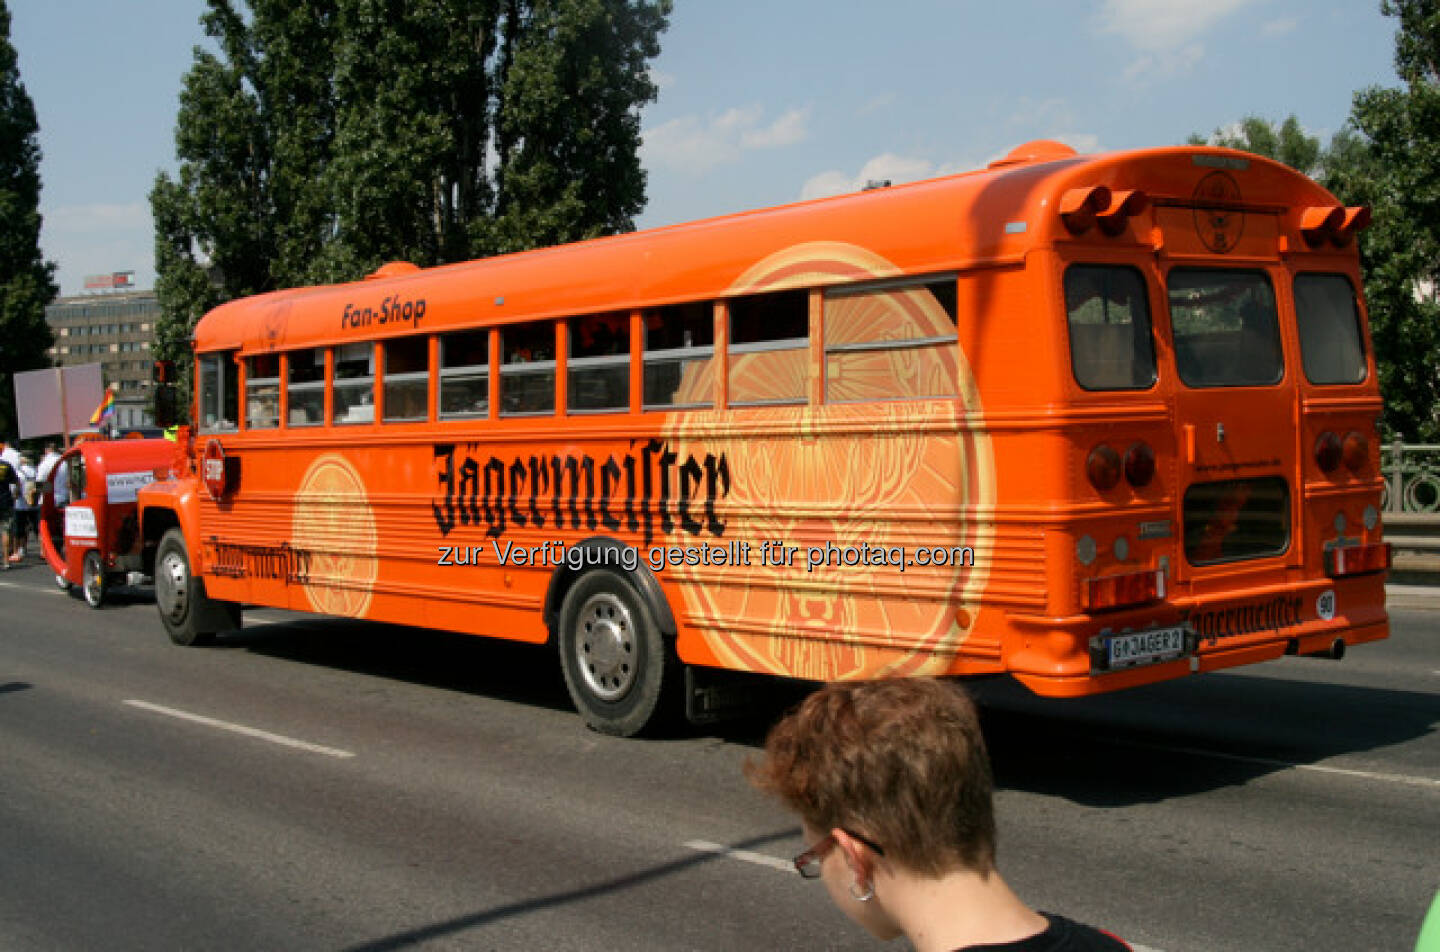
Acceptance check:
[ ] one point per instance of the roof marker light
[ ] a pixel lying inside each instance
(1079, 206)
(1123, 206)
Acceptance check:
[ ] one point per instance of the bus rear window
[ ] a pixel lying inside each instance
(1109, 317)
(1331, 347)
(1226, 331)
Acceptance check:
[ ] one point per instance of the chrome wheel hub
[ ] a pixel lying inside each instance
(605, 647)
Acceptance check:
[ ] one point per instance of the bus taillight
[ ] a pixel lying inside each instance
(1357, 559)
(1103, 468)
(1139, 465)
(1328, 452)
(1122, 591)
(1355, 451)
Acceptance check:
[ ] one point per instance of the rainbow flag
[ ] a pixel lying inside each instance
(105, 410)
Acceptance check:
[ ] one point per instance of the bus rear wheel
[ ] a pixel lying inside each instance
(189, 615)
(620, 672)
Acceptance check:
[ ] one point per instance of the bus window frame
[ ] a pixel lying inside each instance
(248, 381)
(1361, 323)
(463, 372)
(1145, 275)
(1264, 270)
(597, 362)
(774, 345)
(308, 386)
(219, 357)
(535, 368)
(649, 357)
(903, 283)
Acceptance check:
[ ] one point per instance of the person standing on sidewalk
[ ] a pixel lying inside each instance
(9, 488)
(27, 508)
(892, 784)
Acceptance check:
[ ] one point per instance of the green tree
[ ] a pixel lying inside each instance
(329, 136)
(1391, 162)
(1285, 143)
(27, 282)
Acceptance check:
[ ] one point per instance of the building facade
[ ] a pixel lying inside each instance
(116, 331)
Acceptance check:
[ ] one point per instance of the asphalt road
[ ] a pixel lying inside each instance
(323, 784)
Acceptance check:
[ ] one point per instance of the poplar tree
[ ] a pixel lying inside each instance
(1391, 162)
(27, 282)
(327, 137)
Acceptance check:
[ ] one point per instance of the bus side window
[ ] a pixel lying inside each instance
(219, 392)
(895, 341)
(353, 389)
(306, 386)
(679, 361)
(770, 348)
(262, 392)
(527, 369)
(1109, 321)
(599, 364)
(407, 378)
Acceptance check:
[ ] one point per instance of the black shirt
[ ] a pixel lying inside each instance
(1062, 935)
(7, 476)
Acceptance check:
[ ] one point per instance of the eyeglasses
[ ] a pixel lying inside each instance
(807, 864)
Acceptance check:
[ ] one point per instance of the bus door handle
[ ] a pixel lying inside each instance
(1188, 431)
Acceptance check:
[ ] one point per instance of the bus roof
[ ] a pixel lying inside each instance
(982, 218)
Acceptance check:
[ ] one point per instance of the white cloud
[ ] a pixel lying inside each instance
(691, 145)
(787, 130)
(1166, 33)
(885, 167)
(1171, 63)
(1157, 26)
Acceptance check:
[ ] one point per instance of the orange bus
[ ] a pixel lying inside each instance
(1091, 421)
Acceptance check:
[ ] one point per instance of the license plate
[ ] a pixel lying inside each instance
(1144, 647)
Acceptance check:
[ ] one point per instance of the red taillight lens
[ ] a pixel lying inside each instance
(1103, 468)
(1355, 451)
(1328, 452)
(1139, 465)
(1357, 559)
(1121, 591)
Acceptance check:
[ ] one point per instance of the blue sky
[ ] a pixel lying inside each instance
(760, 103)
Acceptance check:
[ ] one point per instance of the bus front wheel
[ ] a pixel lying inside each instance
(189, 615)
(618, 668)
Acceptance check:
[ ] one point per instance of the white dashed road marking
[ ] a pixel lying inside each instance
(242, 729)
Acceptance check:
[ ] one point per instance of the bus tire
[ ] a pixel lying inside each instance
(188, 614)
(618, 668)
(93, 582)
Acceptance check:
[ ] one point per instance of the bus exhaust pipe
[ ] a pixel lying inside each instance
(1334, 652)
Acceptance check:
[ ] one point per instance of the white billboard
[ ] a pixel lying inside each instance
(39, 395)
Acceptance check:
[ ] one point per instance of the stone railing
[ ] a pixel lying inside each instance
(1412, 477)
